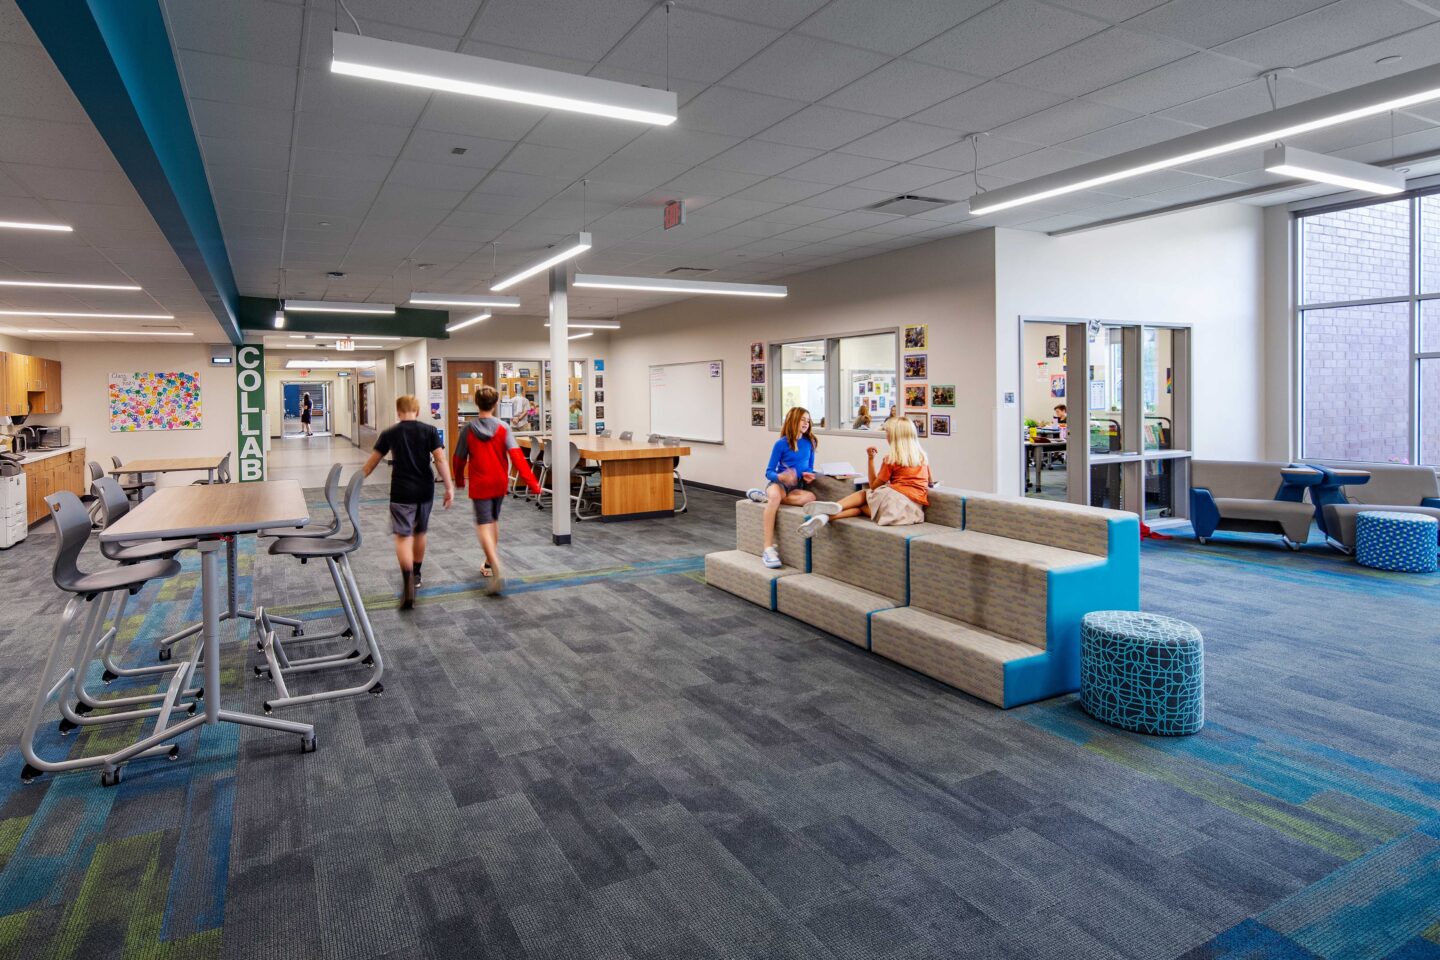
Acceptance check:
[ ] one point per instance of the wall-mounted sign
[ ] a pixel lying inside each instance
(345, 344)
(674, 213)
(250, 409)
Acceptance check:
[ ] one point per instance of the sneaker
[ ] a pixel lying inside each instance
(813, 524)
(496, 583)
(821, 508)
(771, 558)
(417, 578)
(756, 494)
(407, 591)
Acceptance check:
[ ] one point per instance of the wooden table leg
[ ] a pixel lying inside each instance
(637, 489)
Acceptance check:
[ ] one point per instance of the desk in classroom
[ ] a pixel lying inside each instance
(637, 479)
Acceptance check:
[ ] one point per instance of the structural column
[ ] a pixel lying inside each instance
(559, 405)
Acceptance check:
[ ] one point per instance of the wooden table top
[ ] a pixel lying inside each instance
(613, 448)
(209, 509)
(169, 465)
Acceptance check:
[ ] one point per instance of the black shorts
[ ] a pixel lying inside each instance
(408, 519)
(487, 510)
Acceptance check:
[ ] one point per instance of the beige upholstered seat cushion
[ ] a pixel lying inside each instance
(744, 575)
(1340, 519)
(1390, 483)
(1294, 518)
(864, 554)
(955, 653)
(750, 531)
(1240, 479)
(1071, 526)
(994, 583)
(947, 508)
(837, 608)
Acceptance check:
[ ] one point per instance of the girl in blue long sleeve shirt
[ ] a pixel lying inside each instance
(792, 464)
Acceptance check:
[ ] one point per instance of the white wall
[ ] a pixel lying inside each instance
(1204, 267)
(85, 370)
(1282, 419)
(947, 285)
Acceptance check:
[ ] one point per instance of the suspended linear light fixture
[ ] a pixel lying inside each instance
(566, 252)
(461, 325)
(1321, 168)
(581, 336)
(407, 64)
(68, 286)
(27, 225)
(591, 324)
(659, 285)
(462, 300)
(1368, 100)
(116, 333)
(337, 306)
(88, 315)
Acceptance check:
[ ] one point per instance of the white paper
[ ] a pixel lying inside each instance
(838, 469)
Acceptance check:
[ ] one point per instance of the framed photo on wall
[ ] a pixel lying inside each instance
(917, 337)
(599, 413)
(757, 373)
(939, 424)
(942, 395)
(757, 416)
(1052, 346)
(917, 366)
(599, 427)
(757, 352)
(599, 396)
(757, 394)
(916, 395)
(599, 381)
(919, 419)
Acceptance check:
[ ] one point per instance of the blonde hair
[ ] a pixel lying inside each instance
(406, 403)
(791, 430)
(905, 450)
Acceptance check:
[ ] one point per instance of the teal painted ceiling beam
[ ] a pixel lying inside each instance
(116, 57)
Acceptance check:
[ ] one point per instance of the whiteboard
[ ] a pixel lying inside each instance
(687, 401)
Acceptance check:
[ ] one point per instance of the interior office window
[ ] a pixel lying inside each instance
(519, 388)
(1104, 393)
(847, 383)
(1157, 367)
(867, 380)
(575, 399)
(1359, 253)
(1356, 369)
(802, 379)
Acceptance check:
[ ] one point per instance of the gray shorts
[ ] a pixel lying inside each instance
(408, 519)
(487, 510)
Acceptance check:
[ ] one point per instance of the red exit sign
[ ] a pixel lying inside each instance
(674, 214)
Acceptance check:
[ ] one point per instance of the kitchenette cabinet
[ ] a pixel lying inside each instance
(28, 385)
(65, 470)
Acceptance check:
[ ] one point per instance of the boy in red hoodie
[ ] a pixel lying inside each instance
(485, 445)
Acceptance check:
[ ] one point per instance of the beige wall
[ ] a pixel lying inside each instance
(947, 285)
(1203, 267)
(85, 370)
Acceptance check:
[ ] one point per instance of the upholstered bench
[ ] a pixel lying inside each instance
(1391, 540)
(1142, 672)
(741, 571)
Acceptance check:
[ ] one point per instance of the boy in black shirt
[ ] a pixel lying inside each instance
(412, 446)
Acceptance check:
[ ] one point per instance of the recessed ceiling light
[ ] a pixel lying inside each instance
(116, 333)
(90, 315)
(68, 286)
(26, 225)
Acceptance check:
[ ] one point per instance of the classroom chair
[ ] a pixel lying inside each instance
(222, 475)
(138, 483)
(627, 434)
(679, 481)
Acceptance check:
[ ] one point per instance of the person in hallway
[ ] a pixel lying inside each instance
(791, 466)
(412, 446)
(898, 493)
(305, 408)
(575, 409)
(483, 457)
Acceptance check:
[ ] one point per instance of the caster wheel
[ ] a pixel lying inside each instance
(193, 708)
(268, 709)
(259, 644)
(164, 654)
(347, 632)
(298, 632)
(378, 689)
(259, 671)
(307, 744)
(199, 693)
(112, 778)
(83, 708)
(352, 655)
(107, 676)
(368, 661)
(29, 773)
(66, 725)
(174, 753)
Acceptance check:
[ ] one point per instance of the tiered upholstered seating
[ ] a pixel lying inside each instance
(741, 572)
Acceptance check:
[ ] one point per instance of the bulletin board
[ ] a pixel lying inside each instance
(154, 401)
(687, 401)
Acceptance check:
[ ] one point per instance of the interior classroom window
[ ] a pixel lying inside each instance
(1369, 330)
(519, 388)
(847, 383)
(575, 398)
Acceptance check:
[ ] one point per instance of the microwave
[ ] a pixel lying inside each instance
(52, 437)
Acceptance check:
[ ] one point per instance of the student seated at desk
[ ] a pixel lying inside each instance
(1061, 416)
(898, 494)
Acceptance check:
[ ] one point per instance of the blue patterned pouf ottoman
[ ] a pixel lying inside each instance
(1387, 540)
(1142, 672)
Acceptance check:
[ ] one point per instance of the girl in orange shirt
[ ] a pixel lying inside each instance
(898, 492)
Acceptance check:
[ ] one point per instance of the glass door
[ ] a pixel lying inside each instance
(1046, 400)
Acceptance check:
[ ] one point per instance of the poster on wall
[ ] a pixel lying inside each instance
(435, 365)
(917, 337)
(1052, 346)
(917, 366)
(1057, 386)
(154, 401)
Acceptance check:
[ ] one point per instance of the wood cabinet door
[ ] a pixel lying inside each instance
(50, 378)
(15, 397)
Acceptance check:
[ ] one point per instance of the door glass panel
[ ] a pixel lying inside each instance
(1157, 390)
(1104, 390)
(1044, 411)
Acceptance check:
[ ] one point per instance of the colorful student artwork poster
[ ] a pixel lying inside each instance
(757, 394)
(917, 366)
(942, 395)
(154, 401)
(916, 395)
(917, 337)
(599, 365)
(1057, 386)
(757, 353)
(921, 425)
(939, 425)
(757, 373)
(599, 427)
(757, 416)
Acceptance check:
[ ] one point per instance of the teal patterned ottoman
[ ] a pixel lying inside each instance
(1395, 541)
(1142, 672)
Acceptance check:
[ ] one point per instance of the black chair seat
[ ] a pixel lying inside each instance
(310, 547)
(129, 577)
(146, 550)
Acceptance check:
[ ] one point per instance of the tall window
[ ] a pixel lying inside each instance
(1370, 332)
(847, 383)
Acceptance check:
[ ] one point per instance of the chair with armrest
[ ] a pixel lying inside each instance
(1350, 489)
(1251, 497)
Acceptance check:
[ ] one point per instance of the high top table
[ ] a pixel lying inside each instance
(213, 514)
(637, 479)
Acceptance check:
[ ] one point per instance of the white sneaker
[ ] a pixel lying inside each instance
(821, 508)
(756, 494)
(812, 525)
(771, 558)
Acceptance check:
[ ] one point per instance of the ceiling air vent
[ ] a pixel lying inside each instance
(907, 205)
(688, 271)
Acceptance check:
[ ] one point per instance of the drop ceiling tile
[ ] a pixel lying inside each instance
(1209, 23)
(783, 190)
(797, 214)
(338, 95)
(836, 168)
(669, 145)
(900, 88)
(213, 77)
(551, 161)
(902, 141)
(266, 155)
(226, 176)
(1325, 32)
(700, 47)
(434, 146)
(848, 198)
(29, 140)
(987, 107)
(1237, 103)
(1063, 122)
(903, 178)
(1111, 11)
(351, 135)
(476, 117)
(579, 29)
(648, 174)
(1175, 83)
(259, 31)
(708, 182)
(336, 165)
(497, 204)
(441, 176)
(735, 113)
(575, 131)
(1130, 135)
(1097, 62)
(803, 68)
(322, 187)
(450, 17)
(733, 208)
(961, 157)
(1419, 48)
(240, 122)
(1037, 164)
(822, 128)
(892, 27)
(1006, 36)
(861, 220)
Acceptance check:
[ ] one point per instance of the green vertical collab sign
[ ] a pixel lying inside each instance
(250, 409)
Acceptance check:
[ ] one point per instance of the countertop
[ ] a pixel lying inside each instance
(34, 456)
